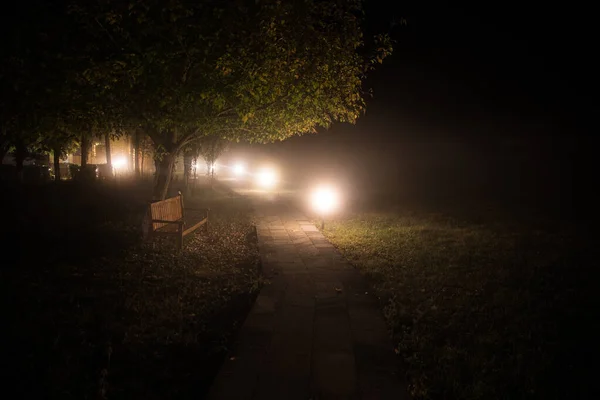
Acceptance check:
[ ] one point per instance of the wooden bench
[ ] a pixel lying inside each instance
(166, 218)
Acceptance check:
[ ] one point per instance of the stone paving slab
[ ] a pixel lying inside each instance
(315, 332)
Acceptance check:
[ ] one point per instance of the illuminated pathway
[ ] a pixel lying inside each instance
(314, 332)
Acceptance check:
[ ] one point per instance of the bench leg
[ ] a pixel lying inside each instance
(180, 238)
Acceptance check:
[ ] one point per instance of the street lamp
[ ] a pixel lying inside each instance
(325, 200)
(266, 178)
(239, 169)
(119, 163)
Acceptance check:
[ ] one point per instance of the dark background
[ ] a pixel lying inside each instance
(492, 103)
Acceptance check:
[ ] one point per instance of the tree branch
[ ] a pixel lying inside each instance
(107, 33)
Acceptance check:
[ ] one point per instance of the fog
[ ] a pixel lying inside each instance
(379, 159)
(456, 117)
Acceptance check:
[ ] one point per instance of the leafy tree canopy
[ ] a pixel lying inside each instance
(44, 102)
(252, 70)
(258, 71)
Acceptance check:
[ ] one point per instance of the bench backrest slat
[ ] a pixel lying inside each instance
(166, 210)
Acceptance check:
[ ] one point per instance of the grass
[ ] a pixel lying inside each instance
(479, 308)
(95, 313)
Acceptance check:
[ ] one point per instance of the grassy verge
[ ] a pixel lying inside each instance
(478, 311)
(134, 322)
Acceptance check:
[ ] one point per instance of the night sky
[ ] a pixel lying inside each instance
(489, 102)
(525, 62)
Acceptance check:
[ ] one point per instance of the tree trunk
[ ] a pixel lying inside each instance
(195, 171)
(187, 170)
(107, 147)
(84, 151)
(136, 152)
(57, 164)
(20, 154)
(3, 151)
(143, 155)
(4, 144)
(131, 161)
(156, 162)
(164, 172)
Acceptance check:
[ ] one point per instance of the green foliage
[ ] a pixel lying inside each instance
(259, 71)
(255, 71)
(44, 104)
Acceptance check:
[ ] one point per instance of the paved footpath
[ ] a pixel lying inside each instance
(315, 332)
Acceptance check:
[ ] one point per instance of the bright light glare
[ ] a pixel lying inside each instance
(119, 163)
(239, 169)
(325, 200)
(266, 178)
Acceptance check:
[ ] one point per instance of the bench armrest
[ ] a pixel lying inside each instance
(160, 221)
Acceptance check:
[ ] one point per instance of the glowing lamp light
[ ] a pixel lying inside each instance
(119, 163)
(239, 169)
(325, 200)
(266, 178)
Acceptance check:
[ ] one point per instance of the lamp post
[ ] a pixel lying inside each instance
(325, 200)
